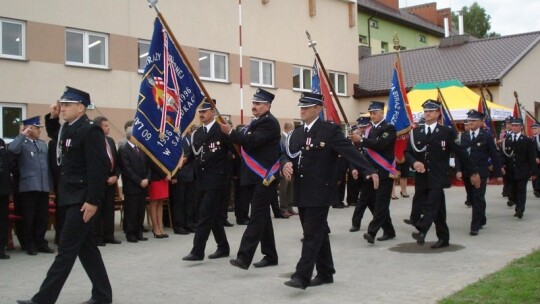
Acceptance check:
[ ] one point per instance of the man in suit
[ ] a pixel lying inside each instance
(83, 166)
(505, 133)
(378, 143)
(210, 150)
(260, 162)
(428, 152)
(135, 178)
(285, 187)
(480, 145)
(536, 144)
(6, 189)
(520, 163)
(104, 228)
(34, 185)
(311, 158)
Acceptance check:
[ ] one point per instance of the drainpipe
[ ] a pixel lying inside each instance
(369, 31)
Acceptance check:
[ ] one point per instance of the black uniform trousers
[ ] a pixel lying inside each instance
(316, 250)
(76, 240)
(4, 220)
(210, 219)
(416, 208)
(259, 228)
(35, 213)
(517, 192)
(360, 209)
(434, 211)
(104, 218)
(242, 198)
(477, 198)
(134, 211)
(381, 206)
(183, 199)
(353, 190)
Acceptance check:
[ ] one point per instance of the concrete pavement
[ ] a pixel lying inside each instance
(395, 271)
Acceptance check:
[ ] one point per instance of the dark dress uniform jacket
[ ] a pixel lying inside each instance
(381, 139)
(114, 171)
(5, 166)
(261, 141)
(481, 150)
(134, 166)
(436, 157)
(520, 158)
(83, 173)
(212, 150)
(314, 170)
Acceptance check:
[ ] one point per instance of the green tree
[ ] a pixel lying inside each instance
(475, 21)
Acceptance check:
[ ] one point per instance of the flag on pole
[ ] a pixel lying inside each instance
(446, 117)
(168, 99)
(528, 120)
(399, 112)
(483, 108)
(319, 86)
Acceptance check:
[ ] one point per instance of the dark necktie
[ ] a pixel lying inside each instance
(514, 139)
(35, 144)
(472, 136)
(205, 129)
(306, 130)
(428, 134)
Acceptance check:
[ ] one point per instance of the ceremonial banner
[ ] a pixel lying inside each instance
(399, 112)
(319, 86)
(168, 99)
(483, 108)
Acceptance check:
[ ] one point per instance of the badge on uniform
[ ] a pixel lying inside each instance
(443, 145)
(323, 144)
(385, 135)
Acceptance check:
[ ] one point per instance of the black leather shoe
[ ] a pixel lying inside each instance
(239, 263)
(31, 252)
(510, 203)
(296, 283)
(419, 237)
(338, 206)
(26, 302)
(264, 263)
(317, 281)
(473, 232)
(45, 249)
(519, 214)
(113, 241)
(92, 301)
(440, 244)
(219, 254)
(354, 229)
(131, 238)
(192, 257)
(181, 230)
(101, 244)
(468, 204)
(141, 238)
(228, 224)
(386, 237)
(242, 222)
(408, 221)
(3, 255)
(369, 238)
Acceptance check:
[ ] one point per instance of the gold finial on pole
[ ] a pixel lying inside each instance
(397, 47)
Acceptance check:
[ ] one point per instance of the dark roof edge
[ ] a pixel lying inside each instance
(519, 58)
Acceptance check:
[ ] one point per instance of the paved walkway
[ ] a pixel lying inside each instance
(396, 271)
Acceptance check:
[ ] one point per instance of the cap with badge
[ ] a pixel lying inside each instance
(535, 125)
(206, 105)
(517, 121)
(72, 95)
(263, 96)
(376, 106)
(509, 119)
(431, 105)
(33, 121)
(363, 121)
(308, 99)
(475, 115)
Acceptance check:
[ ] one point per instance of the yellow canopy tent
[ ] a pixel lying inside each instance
(459, 99)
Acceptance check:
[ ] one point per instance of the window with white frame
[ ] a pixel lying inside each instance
(10, 120)
(143, 47)
(339, 82)
(12, 39)
(262, 72)
(213, 66)
(302, 78)
(87, 49)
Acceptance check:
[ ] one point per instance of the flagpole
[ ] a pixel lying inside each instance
(153, 4)
(488, 112)
(447, 109)
(241, 63)
(397, 47)
(312, 45)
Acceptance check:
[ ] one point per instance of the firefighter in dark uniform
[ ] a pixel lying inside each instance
(428, 152)
(260, 151)
(83, 171)
(362, 122)
(481, 147)
(378, 147)
(536, 144)
(211, 150)
(311, 157)
(520, 165)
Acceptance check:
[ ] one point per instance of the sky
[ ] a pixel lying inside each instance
(507, 17)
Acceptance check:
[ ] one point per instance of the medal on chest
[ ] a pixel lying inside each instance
(443, 145)
(308, 143)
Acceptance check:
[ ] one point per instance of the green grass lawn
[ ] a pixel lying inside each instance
(518, 282)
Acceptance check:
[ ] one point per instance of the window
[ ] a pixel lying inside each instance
(384, 47)
(423, 39)
(12, 115)
(339, 82)
(213, 66)
(362, 39)
(86, 49)
(302, 78)
(144, 48)
(12, 39)
(262, 73)
(374, 23)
